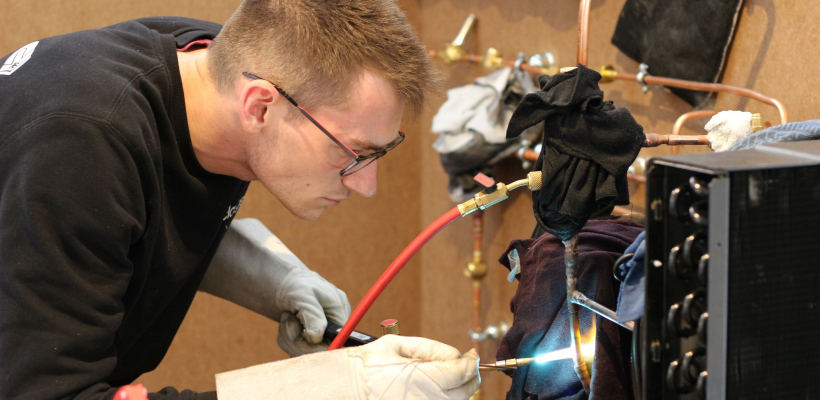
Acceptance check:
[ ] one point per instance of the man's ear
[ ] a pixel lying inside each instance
(257, 99)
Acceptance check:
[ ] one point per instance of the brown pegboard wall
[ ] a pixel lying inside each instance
(773, 53)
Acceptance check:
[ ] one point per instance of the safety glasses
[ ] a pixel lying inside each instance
(359, 162)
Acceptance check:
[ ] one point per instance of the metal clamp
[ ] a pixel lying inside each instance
(491, 332)
(520, 60)
(644, 71)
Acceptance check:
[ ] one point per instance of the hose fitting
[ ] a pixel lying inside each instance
(499, 193)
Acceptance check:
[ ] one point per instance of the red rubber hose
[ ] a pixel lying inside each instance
(391, 273)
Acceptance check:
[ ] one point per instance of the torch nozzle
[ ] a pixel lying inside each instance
(512, 363)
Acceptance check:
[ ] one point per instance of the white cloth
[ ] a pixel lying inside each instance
(476, 109)
(727, 128)
(393, 367)
(255, 270)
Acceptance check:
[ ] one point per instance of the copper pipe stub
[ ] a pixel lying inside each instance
(390, 327)
(583, 32)
(686, 117)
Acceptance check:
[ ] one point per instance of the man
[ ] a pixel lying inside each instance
(119, 156)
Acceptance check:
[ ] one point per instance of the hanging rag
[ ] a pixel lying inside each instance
(631, 296)
(471, 126)
(681, 39)
(588, 147)
(541, 319)
(791, 132)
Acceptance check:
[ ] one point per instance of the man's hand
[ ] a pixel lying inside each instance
(397, 367)
(393, 367)
(255, 270)
(308, 301)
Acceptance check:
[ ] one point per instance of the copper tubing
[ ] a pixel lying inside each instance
(622, 210)
(600, 309)
(531, 155)
(686, 117)
(571, 262)
(472, 58)
(583, 33)
(478, 239)
(709, 87)
(655, 140)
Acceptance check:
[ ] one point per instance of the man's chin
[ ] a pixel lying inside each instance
(309, 215)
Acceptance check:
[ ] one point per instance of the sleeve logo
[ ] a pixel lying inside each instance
(233, 209)
(17, 59)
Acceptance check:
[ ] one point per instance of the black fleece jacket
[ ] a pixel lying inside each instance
(107, 220)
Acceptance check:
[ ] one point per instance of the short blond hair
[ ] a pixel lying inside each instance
(317, 50)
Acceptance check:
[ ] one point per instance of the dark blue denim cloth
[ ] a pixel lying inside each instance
(631, 297)
(791, 132)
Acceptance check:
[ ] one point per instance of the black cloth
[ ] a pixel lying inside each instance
(681, 39)
(107, 220)
(541, 319)
(588, 148)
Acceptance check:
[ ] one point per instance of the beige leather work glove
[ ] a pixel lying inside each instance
(393, 367)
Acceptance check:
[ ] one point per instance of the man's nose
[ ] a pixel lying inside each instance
(362, 181)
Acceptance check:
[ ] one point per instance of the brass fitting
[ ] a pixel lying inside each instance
(477, 269)
(489, 198)
(389, 327)
(453, 52)
(608, 74)
(757, 122)
(549, 70)
(493, 59)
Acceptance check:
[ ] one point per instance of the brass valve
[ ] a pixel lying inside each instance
(608, 74)
(499, 193)
(453, 52)
(477, 269)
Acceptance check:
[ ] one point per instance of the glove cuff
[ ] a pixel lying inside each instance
(317, 376)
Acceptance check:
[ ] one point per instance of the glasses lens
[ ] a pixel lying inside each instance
(358, 167)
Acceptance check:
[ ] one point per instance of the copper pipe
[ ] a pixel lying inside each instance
(600, 309)
(478, 231)
(583, 33)
(686, 117)
(622, 211)
(655, 140)
(571, 262)
(708, 87)
(636, 177)
(531, 155)
(472, 58)
(478, 239)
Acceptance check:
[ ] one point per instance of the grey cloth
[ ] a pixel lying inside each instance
(472, 126)
(791, 132)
